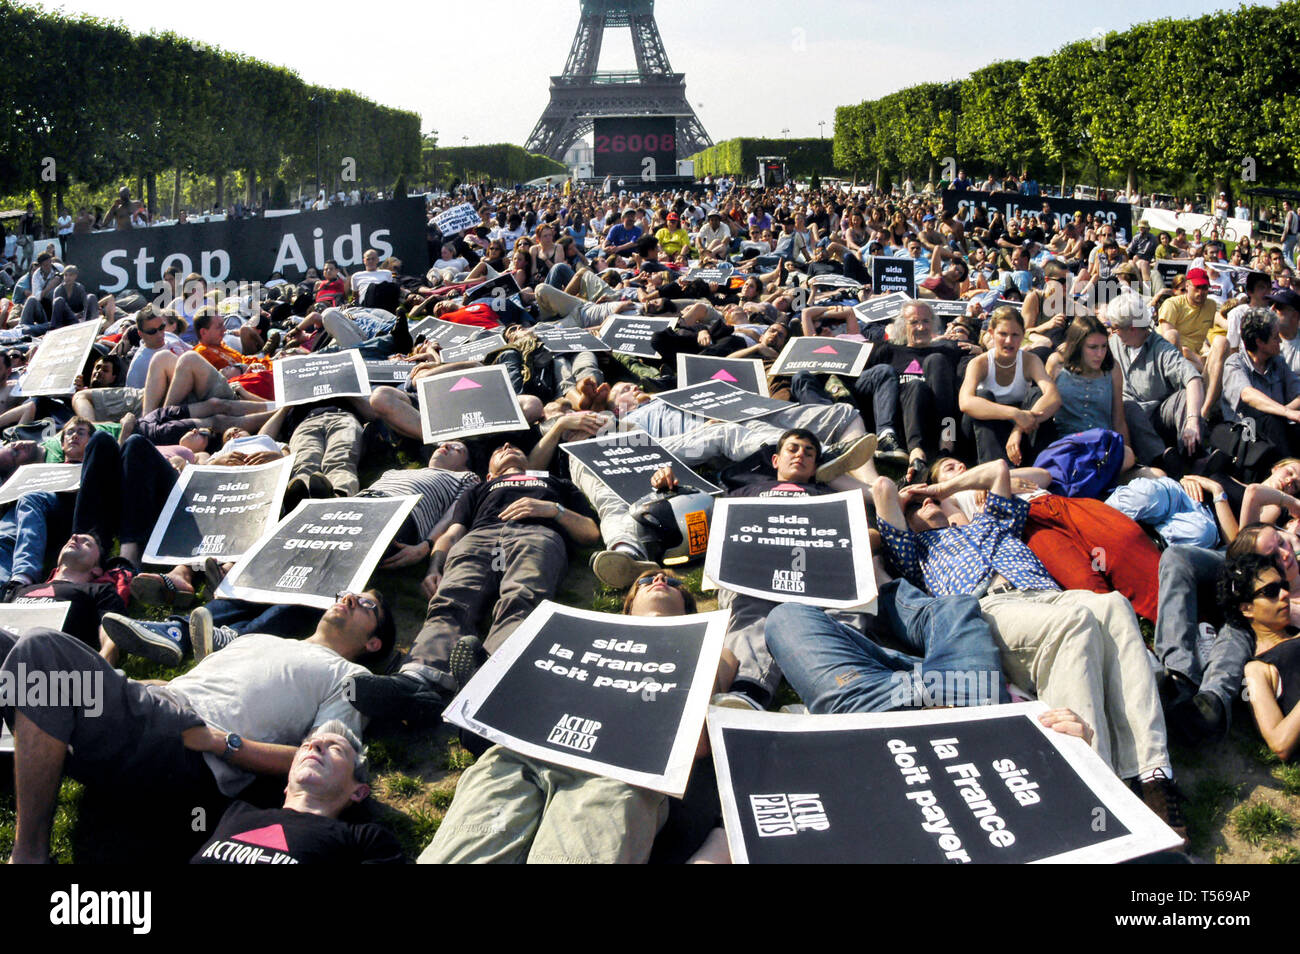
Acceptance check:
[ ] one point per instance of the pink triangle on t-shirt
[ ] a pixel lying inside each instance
(913, 368)
(788, 486)
(825, 349)
(272, 836)
(464, 384)
(722, 375)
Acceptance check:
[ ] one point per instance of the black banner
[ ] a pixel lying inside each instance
(890, 275)
(748, 374)
(624, 461)
(252, 249)
(315, 377)
(391, 373)
(960, 202)
(793, 549)
(322, 548)
(952, 786)
(630, 334)
(466, 403)
(823, 356)
(720, 401)
(218, 512)
(620, 696)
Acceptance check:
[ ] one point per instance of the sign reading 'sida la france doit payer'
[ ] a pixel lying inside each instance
(619, 696)
(322, 548)
(219, 512)
(721, 401)
(881, 308)
(977, 785)
(793, 549)
(624, 462)
(823, 356)
(468, 403)
(318, 377)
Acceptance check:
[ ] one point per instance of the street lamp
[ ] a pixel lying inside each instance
(821, 129)
(785, 132)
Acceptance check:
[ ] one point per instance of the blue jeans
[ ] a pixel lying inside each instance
(560, 275)
(1186, 573)
(277, 619)
(952, 659)
(24, 534)
(1163, 503)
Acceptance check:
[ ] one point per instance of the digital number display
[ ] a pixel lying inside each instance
(636, 146)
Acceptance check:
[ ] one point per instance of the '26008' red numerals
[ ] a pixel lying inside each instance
(635, 143)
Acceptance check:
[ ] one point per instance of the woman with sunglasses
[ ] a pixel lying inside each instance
(1253, 594)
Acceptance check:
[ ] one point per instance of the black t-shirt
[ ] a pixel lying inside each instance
(907, 361)
(780, 488)
(247, 835)
(90, 601)
(481, 505)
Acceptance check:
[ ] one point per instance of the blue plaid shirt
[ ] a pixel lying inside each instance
(961, 560)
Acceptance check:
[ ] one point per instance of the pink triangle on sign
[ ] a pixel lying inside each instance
(464, 384)
(722, 375)
(825, 349)
(272, 836)
(913, 368)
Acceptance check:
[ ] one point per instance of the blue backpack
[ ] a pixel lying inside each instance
(1085, 464)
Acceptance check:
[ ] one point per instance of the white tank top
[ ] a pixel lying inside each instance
(1012, 393)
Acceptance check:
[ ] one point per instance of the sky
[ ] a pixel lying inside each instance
(753, 68)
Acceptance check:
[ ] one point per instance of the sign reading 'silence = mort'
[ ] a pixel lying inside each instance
(974, 785)
(34, 478)
(568, 340)
(881, 308)
(319, 550)
(720, 401)
(631, 334)
(60, 356)
(476, 349)
(318, 377)
(823, 356)
(468, 403)
(793, 549)
(457, 219)
(889, 275)
(624, 462)
(218, 512)
(619, 696)
(747, 374)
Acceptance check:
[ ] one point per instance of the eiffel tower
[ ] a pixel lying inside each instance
(583, 92)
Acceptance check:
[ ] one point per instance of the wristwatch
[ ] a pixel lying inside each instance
(1220, 497)
(559, 511)
(233, 744)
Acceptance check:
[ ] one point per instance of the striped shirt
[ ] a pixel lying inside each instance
(437, 489)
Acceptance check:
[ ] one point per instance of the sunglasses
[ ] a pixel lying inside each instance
(670, 580)
(151, 331)
(1269, 591)
(364, 602)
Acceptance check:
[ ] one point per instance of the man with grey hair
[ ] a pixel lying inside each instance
(1259, 390)
(329, 775)
(1163, 391)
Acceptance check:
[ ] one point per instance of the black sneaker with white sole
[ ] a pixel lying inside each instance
(163, 642)
(467, 657)
(404, 697)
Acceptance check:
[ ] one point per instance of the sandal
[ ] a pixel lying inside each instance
(157, 589)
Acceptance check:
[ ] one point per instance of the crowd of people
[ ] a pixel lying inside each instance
(1091, 477)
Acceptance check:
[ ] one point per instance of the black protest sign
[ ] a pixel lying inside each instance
(946, 311)
(319, 550)
(823, 356)
(34, 478)
(498, 289)
(60, 356)
(720, 401)
(889, 275)
(391, 373)
(446, 333)
(630, 334)
(476, 349)
(881, 308)
(18, 618)
(468, 403)
(985, 784)
(619, 696)
(714, 275)
(317, 377)
(559, 340)
(238, 249)
(793, 549)
(218, 512)
(457, 219)
(1012, 204)
(748, 374)
(624, 461)
(1169, 270)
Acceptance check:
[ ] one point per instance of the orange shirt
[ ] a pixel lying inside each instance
(222, 356)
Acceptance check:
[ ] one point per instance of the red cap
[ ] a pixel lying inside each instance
(674, 217)
(1197, 276)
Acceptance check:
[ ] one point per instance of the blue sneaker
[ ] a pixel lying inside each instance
(165, 642)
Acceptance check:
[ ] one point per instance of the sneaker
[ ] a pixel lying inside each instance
(297, 490)
(734, 700)
(206, 637)
(404, 697)
(618, 569)
(845, 456)
(163, 642)
(887, 447)
(1162, 796)
(467, 657)
(794, 708)
(319, 486)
